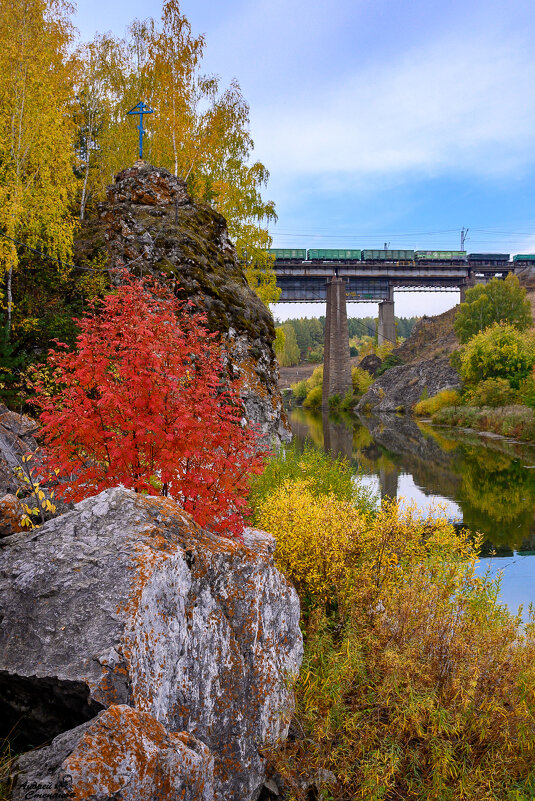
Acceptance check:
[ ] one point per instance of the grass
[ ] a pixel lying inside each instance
(509, 421)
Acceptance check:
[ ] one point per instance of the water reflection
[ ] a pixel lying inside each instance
(488, 482)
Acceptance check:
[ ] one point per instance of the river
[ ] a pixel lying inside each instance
(485, 483)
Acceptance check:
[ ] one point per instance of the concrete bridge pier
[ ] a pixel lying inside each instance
(386, 330)
(336, 364)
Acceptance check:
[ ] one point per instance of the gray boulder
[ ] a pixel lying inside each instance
(401, 387)
(16, 439)
(122, 754)
(125, 600)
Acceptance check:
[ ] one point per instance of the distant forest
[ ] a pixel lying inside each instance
(304, 337)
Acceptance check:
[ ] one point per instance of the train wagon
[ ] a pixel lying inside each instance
(440, 255)
(288, 253)
(334, 255)
(524, 258)
(388, 255)
(488, 257)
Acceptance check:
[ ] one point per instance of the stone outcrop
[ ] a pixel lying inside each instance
(399, 388)
(122, 753)
(150, 224)
(124, 603)
(370, 363)
(16, 438)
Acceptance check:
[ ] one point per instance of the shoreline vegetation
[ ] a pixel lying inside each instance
(416, 682)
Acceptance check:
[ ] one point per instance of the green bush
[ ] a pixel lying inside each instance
(501, 351)
(526, 391)
(300, 390)
(502, 302)
(428, 406)
(391, 361)
(316, 379)
(314, 398)
(361, 381)
(323, 476)
(492, 392)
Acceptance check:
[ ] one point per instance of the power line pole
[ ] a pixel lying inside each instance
(464, 236)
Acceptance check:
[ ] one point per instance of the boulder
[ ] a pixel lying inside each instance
(399, 388)
(17, 433)
(370, 363)
(150, 224)
(122, 753)
(11, 514)
(126, 601)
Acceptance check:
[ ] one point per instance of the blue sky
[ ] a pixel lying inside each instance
(379, 120)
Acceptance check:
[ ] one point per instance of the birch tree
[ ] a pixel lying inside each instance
(36, 133)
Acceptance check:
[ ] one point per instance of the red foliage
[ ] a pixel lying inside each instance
(142, 402)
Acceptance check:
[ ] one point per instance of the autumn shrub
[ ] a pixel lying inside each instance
(143, 400)
(300, 390)
(316, 379)
(500, 301)
(526, 391)
(314, 398)
(391, 360)
(428, 406)
(317, 539)
(416, 683)
(322, 475)
(500, 351)
(361, 381)
(491, 392)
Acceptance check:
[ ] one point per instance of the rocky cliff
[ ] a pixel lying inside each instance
(153, 658)
(150, 224)
(424, 368)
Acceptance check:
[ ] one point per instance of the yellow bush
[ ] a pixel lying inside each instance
(428, 406)
(361, 381)
(316, 379)
(416, 682)
(317, 538)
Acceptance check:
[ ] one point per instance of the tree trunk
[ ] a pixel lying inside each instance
(9, 301)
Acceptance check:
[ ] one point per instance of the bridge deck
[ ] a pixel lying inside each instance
(373, 281)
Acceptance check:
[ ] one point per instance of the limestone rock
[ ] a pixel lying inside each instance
(125, 600)
(16, 438)
(11, 513)
(370, 363)
(399, 388)
(150, 223)
(122, 754)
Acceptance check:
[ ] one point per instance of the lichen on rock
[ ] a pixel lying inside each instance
(125, 601)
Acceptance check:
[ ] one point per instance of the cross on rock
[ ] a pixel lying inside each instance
(140, 109)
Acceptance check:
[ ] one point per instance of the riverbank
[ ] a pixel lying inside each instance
(516, 421)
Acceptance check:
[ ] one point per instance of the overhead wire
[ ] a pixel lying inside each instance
(64, 263)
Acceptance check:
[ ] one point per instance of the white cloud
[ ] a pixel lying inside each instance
(464, 104)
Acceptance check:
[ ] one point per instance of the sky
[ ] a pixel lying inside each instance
(379, 120)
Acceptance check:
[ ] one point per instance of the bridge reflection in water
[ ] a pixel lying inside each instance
(488, 484)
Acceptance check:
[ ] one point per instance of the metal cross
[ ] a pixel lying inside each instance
(140, 109)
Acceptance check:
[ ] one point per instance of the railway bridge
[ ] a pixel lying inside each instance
(335, 282)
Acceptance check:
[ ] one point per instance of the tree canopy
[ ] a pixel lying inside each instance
(499, 301)
(143, 400)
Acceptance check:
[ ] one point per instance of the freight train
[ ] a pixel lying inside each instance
(401, 256)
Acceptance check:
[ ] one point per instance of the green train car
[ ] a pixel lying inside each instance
(440, 255)
(488, 257)
(288, 253)
(334, 255)
(524, 258)
(388, 255)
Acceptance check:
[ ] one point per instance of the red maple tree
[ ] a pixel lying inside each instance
(143, 400)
